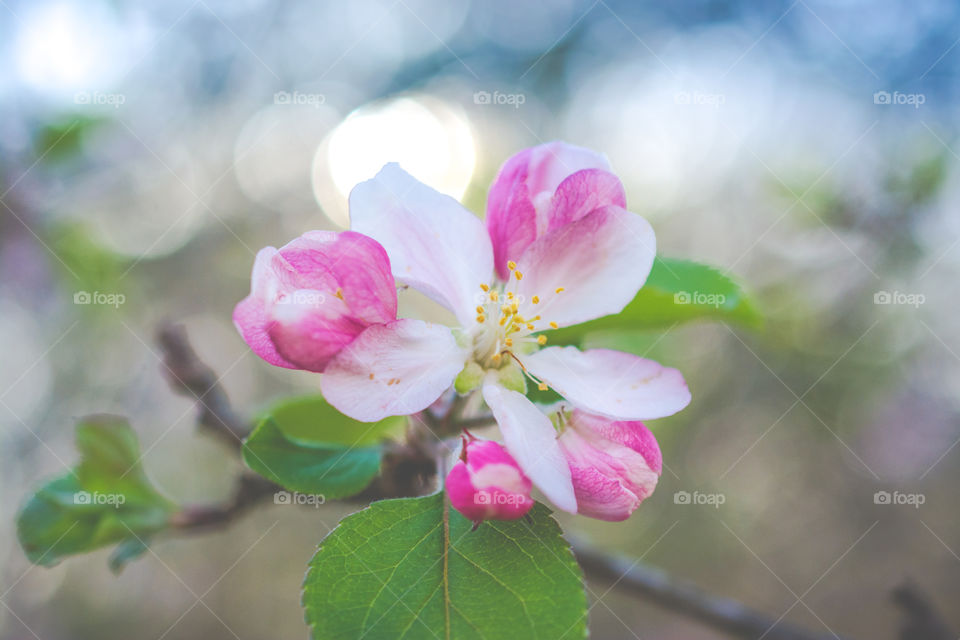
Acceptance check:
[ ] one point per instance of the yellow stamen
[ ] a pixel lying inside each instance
(536, 299)
(511, 265)
(518, 275)
(530, 327)
(493, 296)
(479, 309)
(542, 386)
(559, 289)
(508, 342)
(503, 321)
(480, 319)
(339, 293)
(496, 357)
(485, 287)
(554, 325)
(541, 340)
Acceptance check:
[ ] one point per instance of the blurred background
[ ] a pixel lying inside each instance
(807, 148)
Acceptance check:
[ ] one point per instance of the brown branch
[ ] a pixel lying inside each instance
(409, 468)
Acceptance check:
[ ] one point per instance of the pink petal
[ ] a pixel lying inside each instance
(489, 484)
(611, 383)
(519, 197)
(250, 315)
(308, 328)
(435, 245)
(600, 261)
(352, 262)
(532, 441)
(582, 192)
(393, 369)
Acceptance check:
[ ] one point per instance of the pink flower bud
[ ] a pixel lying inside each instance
(614, 464)
(314, 296)
(487, 483)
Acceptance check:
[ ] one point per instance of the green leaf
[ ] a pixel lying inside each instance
(106, 498)
(412, 568)
(306, 445)
(676, 291)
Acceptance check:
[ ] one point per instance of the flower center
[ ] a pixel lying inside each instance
(504, 326)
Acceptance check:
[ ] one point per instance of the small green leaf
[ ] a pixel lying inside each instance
(676, 291)
(106, 498)
(412, 568)
(333, 470)
(306, 445)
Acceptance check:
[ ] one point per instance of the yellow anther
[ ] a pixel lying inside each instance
(519, 319)
(503, 321)
(536, 299)
(530, 327)
(339, 293)
(516, 307)
(508, 342)
(542, 386)
(554, 325)
(509, 295)
(481, 318)
(479, 309)
(496, 357)
(541, 340)
(518, 275)
(511, 265)
(485, 287)
(493, 296)
(559, 290)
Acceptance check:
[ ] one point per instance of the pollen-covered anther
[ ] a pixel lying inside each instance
(559, 290)
(485, 287)
(542, 386)
(535, 299)
(554, 325)
(508, 342)
(518, 275)
(494, 296)
(541, 340)
(481, 318)
(339, 293)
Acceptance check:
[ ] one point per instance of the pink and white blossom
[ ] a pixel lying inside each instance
(487, 484)
(559, 248)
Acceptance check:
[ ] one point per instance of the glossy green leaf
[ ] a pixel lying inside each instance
(305, 445)
(413, 569)
(106, 498)
(676, 291)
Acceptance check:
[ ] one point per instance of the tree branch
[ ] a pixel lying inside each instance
(408, 469)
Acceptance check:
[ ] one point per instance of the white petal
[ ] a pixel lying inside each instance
(600, 261)
(392, 369)
(435, 245)
(532, 441)
(612, 383)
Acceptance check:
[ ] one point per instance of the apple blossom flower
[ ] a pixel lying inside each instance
(313, 296)
(614, 464)
(558, 249)
(487, 484)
